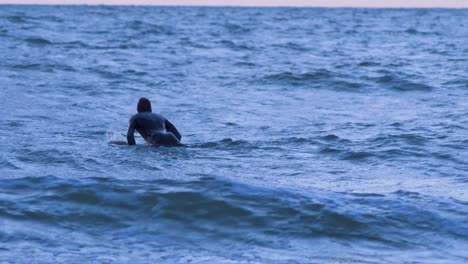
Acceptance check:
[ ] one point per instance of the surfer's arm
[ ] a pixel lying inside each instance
(130, 133)
(171, 128)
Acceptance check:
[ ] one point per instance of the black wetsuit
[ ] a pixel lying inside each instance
(154, 128)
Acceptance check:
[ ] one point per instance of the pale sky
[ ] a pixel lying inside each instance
(318, 3)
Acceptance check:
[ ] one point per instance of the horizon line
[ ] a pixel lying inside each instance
(231, 6)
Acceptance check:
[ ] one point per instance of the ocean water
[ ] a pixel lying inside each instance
(314, 135)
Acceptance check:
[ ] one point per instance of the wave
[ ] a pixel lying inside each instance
(38, 41)
(234, 46)
(345, 153)
(459, 83)
(400, 82)
(403, 139)
(24, 19)
(75, 44)
(300, 78)
(414, 31)
(186, 41)
(44, 67)
(383, 147)
(148, 28)
(292, 46)
(369, 64)
(225, 208)
(247, 64)
(19, 19)
(51, 18)
(12, 123)
(227, 143)
(320, 79)
(52, 157)
(5, 164)
(330, 137)
(236, 28)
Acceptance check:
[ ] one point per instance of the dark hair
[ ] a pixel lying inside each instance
(144, 105)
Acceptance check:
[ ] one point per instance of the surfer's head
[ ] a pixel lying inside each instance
(144, 105)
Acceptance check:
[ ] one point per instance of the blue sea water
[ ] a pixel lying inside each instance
(314, 135)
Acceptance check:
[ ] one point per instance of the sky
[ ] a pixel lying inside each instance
(318, 3)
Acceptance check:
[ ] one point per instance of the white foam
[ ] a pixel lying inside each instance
(115, 138)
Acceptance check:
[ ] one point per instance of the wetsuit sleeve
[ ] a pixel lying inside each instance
(171, 128)
(131, 132)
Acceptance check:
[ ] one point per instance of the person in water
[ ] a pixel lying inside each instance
(154, 128)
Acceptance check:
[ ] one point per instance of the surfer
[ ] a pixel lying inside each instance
(154, 128)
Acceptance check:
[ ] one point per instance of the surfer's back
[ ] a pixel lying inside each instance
(154, 128)
(147, 123)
